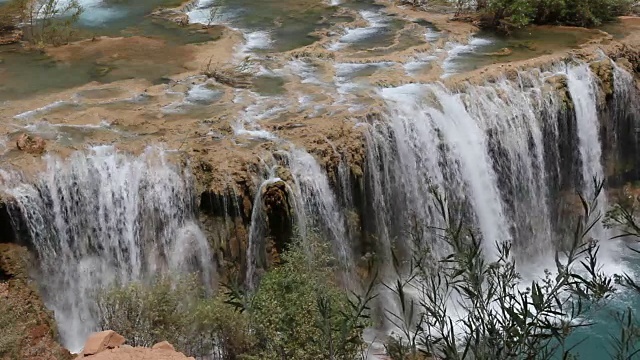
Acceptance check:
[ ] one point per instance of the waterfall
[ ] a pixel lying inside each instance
(102, 217)
(317, 209)
(583, 87)
(509, 154)
(257, 233)
(483, 148)
(504, 152)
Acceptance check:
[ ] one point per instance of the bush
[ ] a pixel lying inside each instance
(299, 312)
(517, 13)
(499, 316)
(175, 310)
(467, 305)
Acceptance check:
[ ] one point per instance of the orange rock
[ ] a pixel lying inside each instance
(164, 345)
(138, 353)
(101, 341)
(30, 144)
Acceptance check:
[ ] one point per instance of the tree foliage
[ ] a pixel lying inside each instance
(516, 13)
(45, 22)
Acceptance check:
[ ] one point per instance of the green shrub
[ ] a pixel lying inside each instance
(175, 310)
(299, 312)
(517, 13)
(497, 314)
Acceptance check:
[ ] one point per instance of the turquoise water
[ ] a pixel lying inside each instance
(596, 342)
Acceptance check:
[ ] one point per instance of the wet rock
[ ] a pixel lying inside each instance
(31, 144)
(604, 71)
(24, 320)
(558, 84)
(279, 214)
(173, 15)
(501, 52)
(101, 71)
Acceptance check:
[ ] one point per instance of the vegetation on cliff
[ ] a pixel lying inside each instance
(44, 22)
(297, 312)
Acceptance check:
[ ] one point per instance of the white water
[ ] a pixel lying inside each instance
(493, 148)
(375, 23)
(106, 217)
(442, 143)
(317, 209)
(504, 150)
(456, 50)
(583, 86)
(257, 233)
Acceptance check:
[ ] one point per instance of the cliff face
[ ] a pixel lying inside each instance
(342, 148)
(27, 328)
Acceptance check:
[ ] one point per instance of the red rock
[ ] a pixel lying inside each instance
(164, 345)
(101, 341)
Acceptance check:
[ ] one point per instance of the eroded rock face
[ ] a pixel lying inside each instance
(173, 15)
(278, 210)
(26, 326)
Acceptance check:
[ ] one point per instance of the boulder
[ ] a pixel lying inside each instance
(164, 345)
(101, 341)
(11, 37)
(31, 144)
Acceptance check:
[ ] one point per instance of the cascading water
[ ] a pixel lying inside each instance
(106, 217)
(583, 87)
(483, 148)
(257, 232)
(511, 152)
(317, 208)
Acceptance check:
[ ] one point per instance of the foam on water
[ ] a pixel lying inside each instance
(375, 22)
(202, 94)
(202, 13)
(456, 50)
(419, 63)
(44, 109)
(256, 40)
